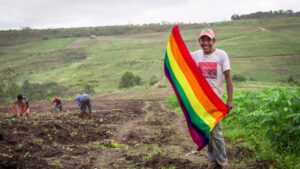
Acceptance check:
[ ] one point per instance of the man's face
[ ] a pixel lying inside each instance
(206, 44)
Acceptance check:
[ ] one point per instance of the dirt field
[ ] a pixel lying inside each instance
(125, 133)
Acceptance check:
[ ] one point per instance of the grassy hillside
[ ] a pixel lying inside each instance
(266, 50)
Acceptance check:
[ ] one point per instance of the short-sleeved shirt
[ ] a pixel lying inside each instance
(58, 101)
(213, 67)
(22, 102)
(78, 98)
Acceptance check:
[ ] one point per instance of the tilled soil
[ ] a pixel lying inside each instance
(125, 133)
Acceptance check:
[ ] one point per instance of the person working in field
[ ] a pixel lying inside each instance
(84, 101)
(23, 106)
(58, 105)
(214, 65)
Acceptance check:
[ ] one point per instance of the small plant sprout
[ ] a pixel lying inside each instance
(27, 155)
(74, 133)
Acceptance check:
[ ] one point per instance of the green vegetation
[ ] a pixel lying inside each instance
(266, 122)
(269, 14)
(261, 50)
(27, 155)
(153, 80)
(129, 80)
(238, 78)
(35, 91)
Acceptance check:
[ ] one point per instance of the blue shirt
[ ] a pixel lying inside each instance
(78, 98)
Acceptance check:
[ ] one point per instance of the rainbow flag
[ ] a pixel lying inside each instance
(202, 108)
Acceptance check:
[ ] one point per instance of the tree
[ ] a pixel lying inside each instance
(128, 80)
(235, 17)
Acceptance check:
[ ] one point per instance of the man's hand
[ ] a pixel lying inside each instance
(230, 105)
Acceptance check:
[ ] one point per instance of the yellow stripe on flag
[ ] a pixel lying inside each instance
(196, 105)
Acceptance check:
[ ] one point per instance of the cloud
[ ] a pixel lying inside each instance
(16, 14)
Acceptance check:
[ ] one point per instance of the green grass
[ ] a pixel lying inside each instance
(268, 57)
(42, 46)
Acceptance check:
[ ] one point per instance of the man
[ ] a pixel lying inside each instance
(84, 101)
(58, 104)
(23, 106)
(214, 65)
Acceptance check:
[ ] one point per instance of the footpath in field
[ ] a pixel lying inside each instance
(129, 130)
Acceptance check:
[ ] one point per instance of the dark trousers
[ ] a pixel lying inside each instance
(85, 102)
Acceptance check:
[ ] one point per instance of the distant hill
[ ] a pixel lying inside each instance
(16, 37)
(264, 50)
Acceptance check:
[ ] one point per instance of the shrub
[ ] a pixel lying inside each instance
(129, 80)
(162, 86)
(238, 78)
(153, 80)
(290, 79)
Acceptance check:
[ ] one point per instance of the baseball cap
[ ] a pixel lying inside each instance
(55, 98)
(207, 32)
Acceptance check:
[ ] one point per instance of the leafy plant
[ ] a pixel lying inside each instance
(47, 147)
(267, 119)
(112, 144)
(74, 133)
(147, 157)
(27, 155)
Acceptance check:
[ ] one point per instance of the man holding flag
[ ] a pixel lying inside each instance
(214, 65)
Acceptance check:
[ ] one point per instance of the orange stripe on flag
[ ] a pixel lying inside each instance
(201, 96)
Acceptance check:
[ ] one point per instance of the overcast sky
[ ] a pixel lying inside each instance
(15, 14)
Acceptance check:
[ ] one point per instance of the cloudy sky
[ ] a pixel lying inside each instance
(15, 14)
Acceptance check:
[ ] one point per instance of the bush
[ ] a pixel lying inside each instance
(162, 86)
(129, 80)
(290, 79)
(153, 80)
(238, 78)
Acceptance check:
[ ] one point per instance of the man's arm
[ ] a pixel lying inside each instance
(229, 87)
(77, 100)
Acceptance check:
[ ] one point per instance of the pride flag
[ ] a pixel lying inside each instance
(202, 108)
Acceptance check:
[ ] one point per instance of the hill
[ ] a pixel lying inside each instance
(263, 50)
